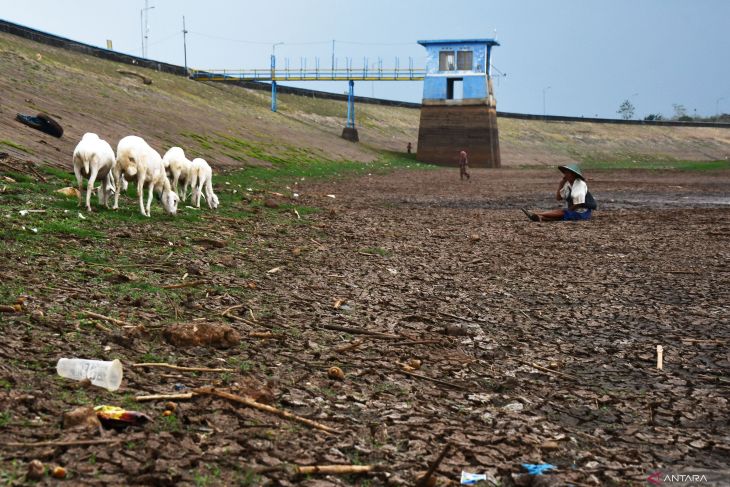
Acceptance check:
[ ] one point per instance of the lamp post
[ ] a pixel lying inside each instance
(544, 109)
(144, 27)
(717, 106)
(273, 56)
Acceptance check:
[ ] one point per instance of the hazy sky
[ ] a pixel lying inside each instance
(592, 54)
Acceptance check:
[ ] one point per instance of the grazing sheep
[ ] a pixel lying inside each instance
(179, 166)
(135, 158)
(201, 175)
(92, 158)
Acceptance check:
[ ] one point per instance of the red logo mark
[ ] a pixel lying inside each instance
(655, 478)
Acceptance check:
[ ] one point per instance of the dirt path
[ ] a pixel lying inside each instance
(537, 342)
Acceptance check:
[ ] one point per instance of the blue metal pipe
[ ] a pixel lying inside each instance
(351, 106)
(273, 96)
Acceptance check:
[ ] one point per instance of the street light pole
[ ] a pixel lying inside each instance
(185, 45)
(717, 106)
(544, 109)
(144, 26)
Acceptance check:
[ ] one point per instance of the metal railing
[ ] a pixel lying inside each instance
(303, 74)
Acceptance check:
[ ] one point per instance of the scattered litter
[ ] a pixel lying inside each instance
(82, 216)
(33, 229)
(537, 468)
(81, 418)
(23, 212)
(41, 122)
(102, 373)
(191, 207)
(274, 270)
(472, 478)
(331, 196)
(179, 387)
(69, 191)
(295, 195)
(119, 418)
(393, 271)
(219, 335)
(58, 473)
(8, 179)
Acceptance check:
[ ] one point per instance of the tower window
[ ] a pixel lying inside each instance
(465, 60)
(447, 61)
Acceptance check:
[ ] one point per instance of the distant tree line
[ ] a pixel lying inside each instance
(627, 110)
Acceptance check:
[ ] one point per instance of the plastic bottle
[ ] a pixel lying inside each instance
(101, 373)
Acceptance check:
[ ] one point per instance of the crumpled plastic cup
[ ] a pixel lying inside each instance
(101, 373)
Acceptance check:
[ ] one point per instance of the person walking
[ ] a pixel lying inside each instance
(463, 166)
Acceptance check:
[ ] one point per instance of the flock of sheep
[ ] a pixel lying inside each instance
(94, 159)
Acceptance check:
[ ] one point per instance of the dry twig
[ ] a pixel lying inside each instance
(247, 401)
(178, 367)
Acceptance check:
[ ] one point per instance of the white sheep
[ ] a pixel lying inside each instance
(94, 158)
(201, 175)
(135, 158)
(179, 167)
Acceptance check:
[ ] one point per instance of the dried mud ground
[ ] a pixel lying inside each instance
(537, 342)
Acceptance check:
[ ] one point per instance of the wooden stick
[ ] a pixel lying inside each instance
(360, 331)
(431, 379)
(659, 357)
(178, 367)
(247, 401)
(545, 369)
(228, 310)
(417, 342)
(423, 481)
(63, 442)
(335, 469)
(10, 308)
(349, 346)
(184, 284)
(165, 397)
(109, 319)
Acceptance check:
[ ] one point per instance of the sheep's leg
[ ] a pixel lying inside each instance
(118, 179)
(106, 188)
(175, 177)
(80, 181)
(199, 192)
(149, 198)
(90, 186)
(140, 191)
(193, 187)
(209, 193)
(185, 189)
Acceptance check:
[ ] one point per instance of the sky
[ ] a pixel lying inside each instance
(561, 57)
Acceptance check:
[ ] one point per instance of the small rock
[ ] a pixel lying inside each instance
(336, 373)
(219, 335)
(699, 444)
(514, 407)
(550, 445)
(36, 470)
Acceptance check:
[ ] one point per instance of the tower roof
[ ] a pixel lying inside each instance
(489, 42)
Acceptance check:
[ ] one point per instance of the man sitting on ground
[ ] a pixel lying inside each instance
(574, 190)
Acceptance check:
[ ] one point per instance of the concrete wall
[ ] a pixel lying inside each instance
(445, 130)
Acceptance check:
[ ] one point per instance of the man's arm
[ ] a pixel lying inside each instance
(558, 196)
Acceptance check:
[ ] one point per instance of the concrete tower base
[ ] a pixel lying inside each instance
(350, 134)
(447, 129)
